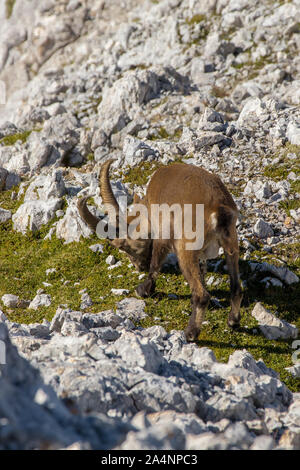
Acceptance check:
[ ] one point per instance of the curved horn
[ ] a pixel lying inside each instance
(105, 187)
(90, 219)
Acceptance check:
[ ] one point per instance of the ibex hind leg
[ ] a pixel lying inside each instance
(229, 241)
(189, 264)
(236, 295)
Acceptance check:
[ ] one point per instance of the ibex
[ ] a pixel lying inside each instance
(181, 184)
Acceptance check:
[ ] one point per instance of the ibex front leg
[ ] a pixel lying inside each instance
(232, 261)
(159, 251)
(189, 264)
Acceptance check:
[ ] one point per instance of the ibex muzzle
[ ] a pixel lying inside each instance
(181, 184)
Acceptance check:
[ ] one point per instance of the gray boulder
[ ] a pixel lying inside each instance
(5, 215)
(262, 229)
(33, 214)
(271, 326)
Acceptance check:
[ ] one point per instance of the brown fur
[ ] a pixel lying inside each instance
(183, 184)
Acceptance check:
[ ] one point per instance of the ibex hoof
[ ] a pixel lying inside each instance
(145, 289)
(191, 334)
(234, 325)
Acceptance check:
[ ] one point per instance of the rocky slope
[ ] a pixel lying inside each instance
(214, 83)
(127, 388)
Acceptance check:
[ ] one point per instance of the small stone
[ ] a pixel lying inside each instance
(110, 260)
(131, 308)
(40, 300)
(10, 300)
(263, 443)
(288, 221)
(119, 291)
(97, 248)
(50, 271)
(271, 326)
(4, 215)
(86, 301)
(262, 229)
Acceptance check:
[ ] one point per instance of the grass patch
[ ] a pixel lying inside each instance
(195, 19)
(290, 204)
(19, 136)
(24, 260)
(162, 133)
(90, 157)
(280, 171)
(284, 166)
(219, 92)
(140, 174)
(9, 4)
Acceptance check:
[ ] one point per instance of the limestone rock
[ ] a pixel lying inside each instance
(271, 326)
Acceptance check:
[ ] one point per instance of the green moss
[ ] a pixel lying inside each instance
(22, 136)
(160, 103)
(9, 4)
(280, 171)
(290, 204)
(140, 174)
(295, 186)
(238, 66)
(227, 35)
(284, 166)
(12, 139)
(195, 19)
(90, 157)
(161, 133)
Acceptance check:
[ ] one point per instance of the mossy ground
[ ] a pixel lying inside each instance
(280, 171)
(24, 260)
(9, 4)
(13, 138)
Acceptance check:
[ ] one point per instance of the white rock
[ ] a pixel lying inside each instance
(271, 326)
(121, 102)
(10, 300)
(97, 248)
(135, 151)
(45, 187)
(294, 370)
(50, 271)
(40, 300)
(262, 229)
(252, 109)
(110, 260)
(5, 215)
(281, 272)
(71, 227)
(119, 291)
(131, 308)
(293, 132)
(33, 214)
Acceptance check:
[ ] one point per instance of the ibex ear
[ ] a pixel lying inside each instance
(136, 199)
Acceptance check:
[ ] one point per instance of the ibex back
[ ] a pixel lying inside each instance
(181, 184)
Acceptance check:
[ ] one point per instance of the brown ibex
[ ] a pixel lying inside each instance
(181, 184)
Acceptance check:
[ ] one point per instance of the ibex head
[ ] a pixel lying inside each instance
(138, 250)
